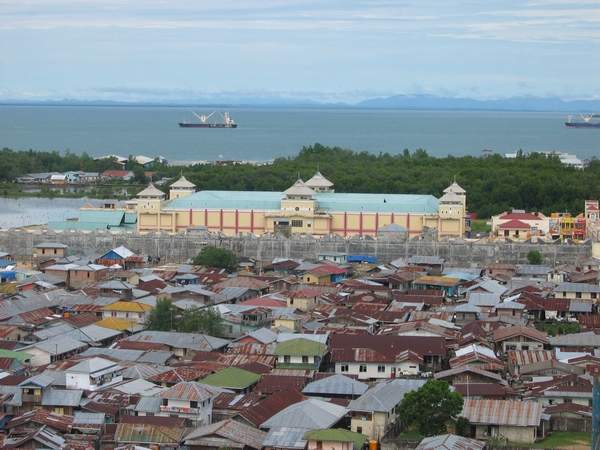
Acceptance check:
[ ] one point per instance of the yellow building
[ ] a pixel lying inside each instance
(310, 208)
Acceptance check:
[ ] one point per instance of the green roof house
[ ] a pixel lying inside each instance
(300, 353)
(14, 360)
(232, 378)
(335, 438)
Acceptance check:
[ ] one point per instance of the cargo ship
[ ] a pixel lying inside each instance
(203, 122)
(585, 121)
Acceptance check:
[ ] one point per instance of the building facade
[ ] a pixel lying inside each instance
(310, 207)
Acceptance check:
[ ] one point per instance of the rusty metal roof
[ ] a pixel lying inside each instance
(503, 412)
(189, 391)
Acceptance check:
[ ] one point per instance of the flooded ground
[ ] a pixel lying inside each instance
(18, 212)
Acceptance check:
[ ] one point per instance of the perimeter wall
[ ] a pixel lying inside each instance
(180, 247)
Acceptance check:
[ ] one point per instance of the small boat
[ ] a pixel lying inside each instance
(203, 121)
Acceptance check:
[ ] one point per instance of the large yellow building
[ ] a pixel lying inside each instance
(310, 207)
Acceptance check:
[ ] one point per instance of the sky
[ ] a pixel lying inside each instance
(320, 50)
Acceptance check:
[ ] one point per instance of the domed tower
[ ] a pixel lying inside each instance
(150, 199)
(319, 183)
(181, 188)
(299, 197)
(452, 211)
(455, 188)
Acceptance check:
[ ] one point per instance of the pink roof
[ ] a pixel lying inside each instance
(514, 225)
(519, 216)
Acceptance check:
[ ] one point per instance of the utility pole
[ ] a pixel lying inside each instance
(595, 372)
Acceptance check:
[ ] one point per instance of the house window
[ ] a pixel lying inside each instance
(577, 294)
(380, 369)
(193, 404)
(297, 224)
(286, 359)
(362, 368)
(305, 359)
(344, 368)
(359, 429)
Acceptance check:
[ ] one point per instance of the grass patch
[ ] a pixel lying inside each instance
(480, 226)
(410, 435)
(560, 440)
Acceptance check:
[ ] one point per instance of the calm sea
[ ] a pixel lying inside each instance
(264, 134)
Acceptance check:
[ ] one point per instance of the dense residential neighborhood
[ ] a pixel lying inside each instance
(117, 350)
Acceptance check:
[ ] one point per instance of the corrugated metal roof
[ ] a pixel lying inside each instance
(86, 418)
(503, 412)
(148, 405)
(230, 430)
(285, 438)
(585, 339)
(58, 345)
(450, 442)
(308, 414)
(336, 385)
(577, 287)
(61, 397)
(385, 395)
(148, 434)
(190, 390)
(192, 341)
(329, 202)
(114, 353)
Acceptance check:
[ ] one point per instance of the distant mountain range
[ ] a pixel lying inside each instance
(507, 104)
(414, 102)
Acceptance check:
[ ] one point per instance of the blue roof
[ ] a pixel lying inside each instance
(328, 202)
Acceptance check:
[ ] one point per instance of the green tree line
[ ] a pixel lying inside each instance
(493, 184)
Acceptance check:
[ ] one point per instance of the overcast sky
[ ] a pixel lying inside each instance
(315, 49)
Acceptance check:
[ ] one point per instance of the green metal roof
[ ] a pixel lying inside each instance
(300, 347)
(90, 220)
(130, 218)
(112, 218)
(337, 435)
(327, 202)
(86, 226)
(20, 356)
(232, 377)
